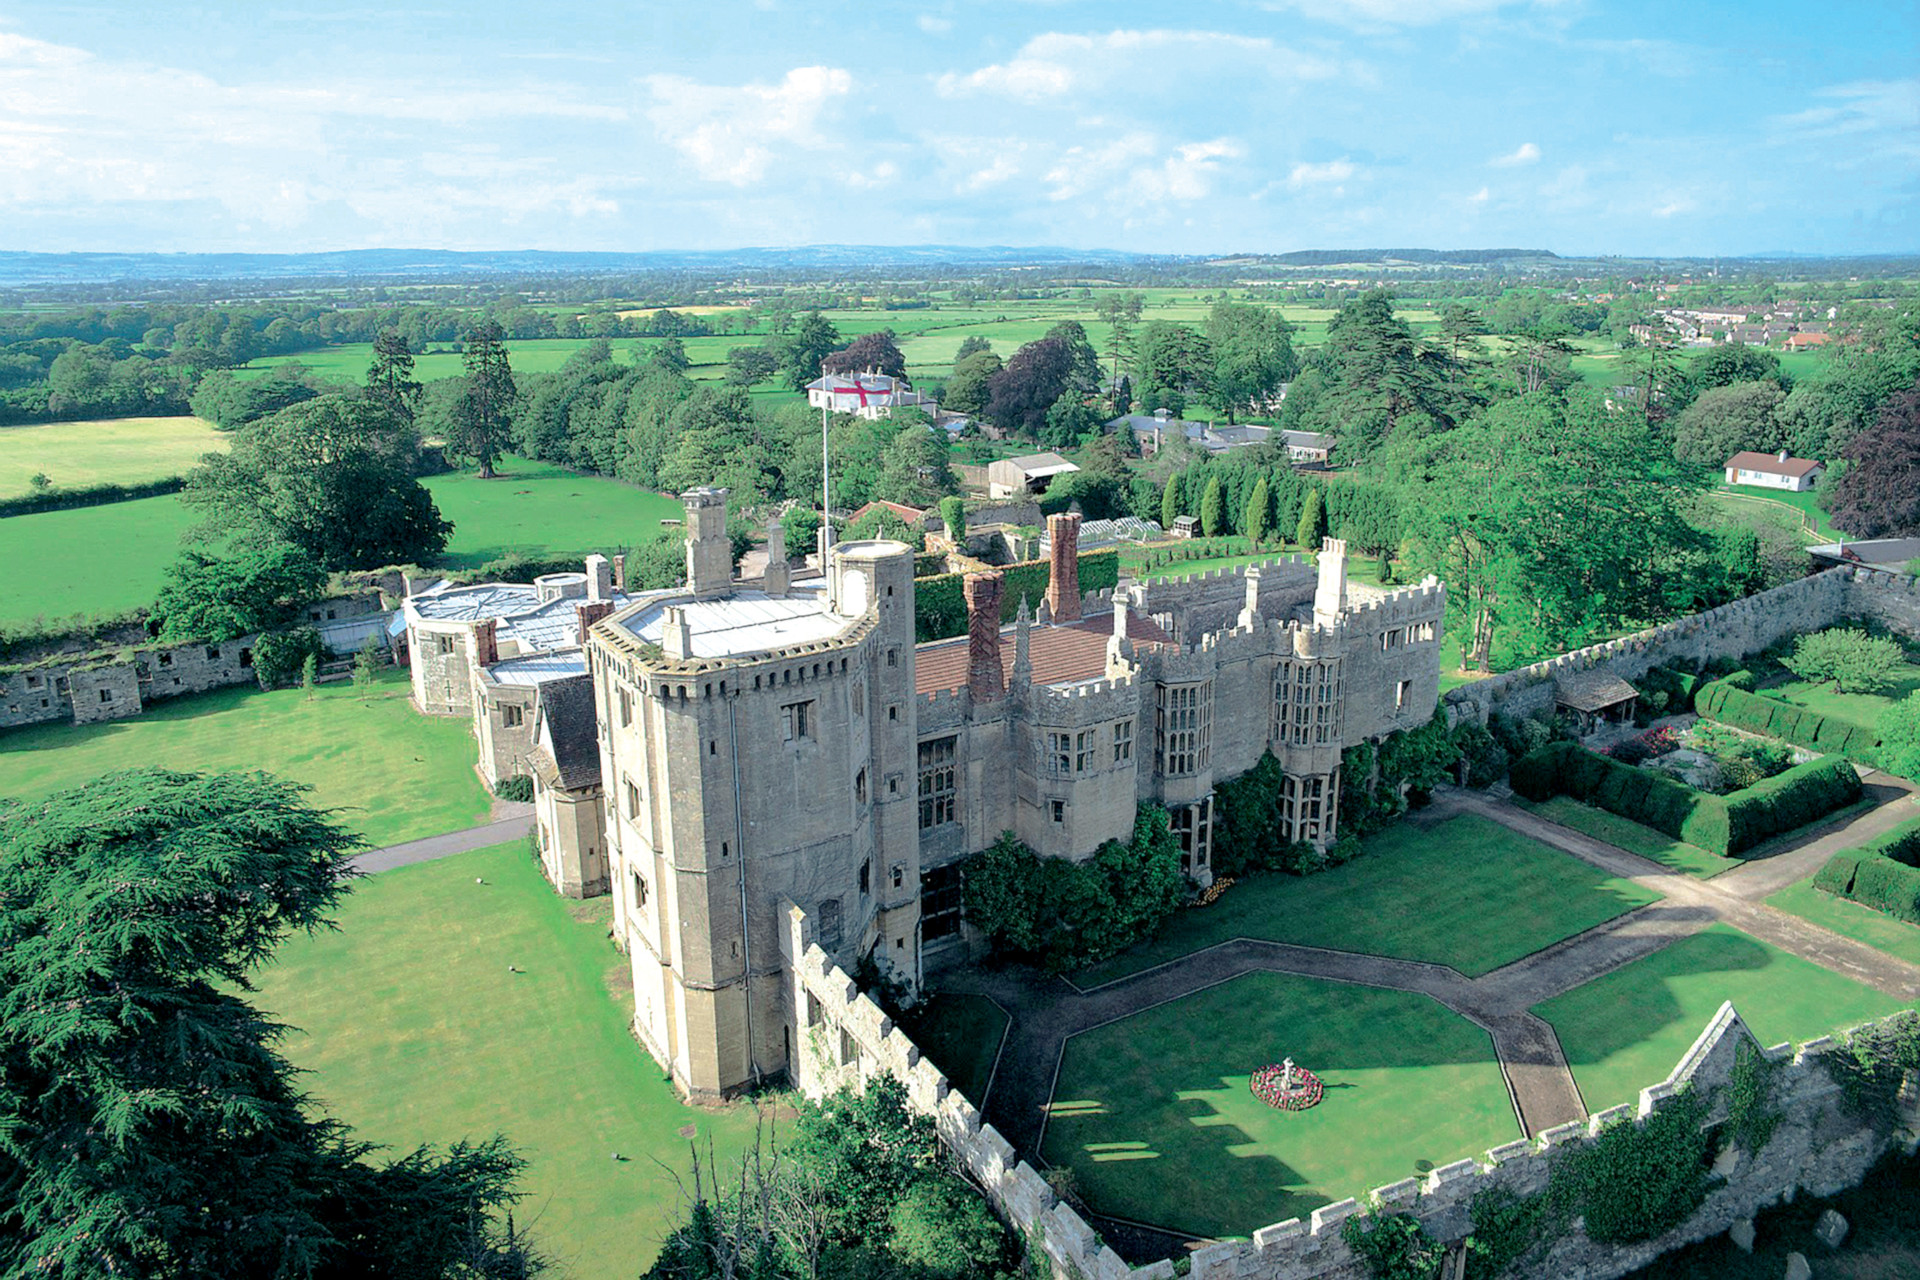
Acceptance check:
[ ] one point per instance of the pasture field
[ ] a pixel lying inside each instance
(89, 560)
(1627, 1029)
(1466, 892)
(1803, 509)
(393, 774)
(103, 451)
(1155, 1116)
(536, 508)
(415, 1031)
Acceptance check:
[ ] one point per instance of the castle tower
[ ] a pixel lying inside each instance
(1330, 597)
(709, 553)
(1063, 577)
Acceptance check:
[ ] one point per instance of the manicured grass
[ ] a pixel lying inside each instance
(89, 560)
(962, 1035)
(1862, 709)
(1850, 919)
(416, 1031)
(394, 774)
(1156, 1119)
(105, 451)
(1627, 1029)
(1466, 892)
(1804, 507)
(1624, 833)
(539, 509)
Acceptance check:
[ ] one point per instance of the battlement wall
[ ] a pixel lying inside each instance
(1212, 600)
(1816, 1147)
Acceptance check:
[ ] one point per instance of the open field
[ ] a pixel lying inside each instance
(89, 560)
(533, 508)
(1466, 892)
(393, 774)
(415, 1031)
(1627, 1029)
(1155, 1117)
(539, 509)
(1862, 924)
(1624, 833)
(103, 451)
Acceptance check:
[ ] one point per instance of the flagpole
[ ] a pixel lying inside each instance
(826, 495)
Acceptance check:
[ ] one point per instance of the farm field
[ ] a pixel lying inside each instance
(415, 1031)
(103, 451)
(1155, 1116)
(1466, 892)
(88, 560)
(393, 773)
(1628, 1028)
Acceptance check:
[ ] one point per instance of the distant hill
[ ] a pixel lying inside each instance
(1378, 257)
(73, 268)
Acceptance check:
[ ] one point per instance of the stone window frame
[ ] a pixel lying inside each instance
(799, 720)
(1085, 747)
(1059, 753)
(939, 781)
(512, 715)
(1122, 741)
(1183, 728)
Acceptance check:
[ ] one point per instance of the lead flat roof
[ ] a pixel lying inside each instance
(746, 622)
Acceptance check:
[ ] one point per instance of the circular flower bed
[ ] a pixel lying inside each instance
(1272, 1086)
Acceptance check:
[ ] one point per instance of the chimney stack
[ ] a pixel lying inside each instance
(984, 677)
(709, 554)
(676, 635)
(1250, 612)
(774, 580)
(1063, 576)
(1330, 597)
(599, 577)
(486, 642)
(589, 613)
(620, 574)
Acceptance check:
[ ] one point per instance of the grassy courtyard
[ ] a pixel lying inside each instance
(1155, 1117)
(1466, 892)
(1850, 919)
(415, 1031)
(1861, 709)
(1627, 1029)
(1624, 833)
(393, 773)
(106, 451)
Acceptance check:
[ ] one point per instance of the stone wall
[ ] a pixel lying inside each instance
(1731, 631)
(71, 690)
(843, 1038)
(1191, 606)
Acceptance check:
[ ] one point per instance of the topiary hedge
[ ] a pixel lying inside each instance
(1883, 874)
(1728, 703)
(1721, 824)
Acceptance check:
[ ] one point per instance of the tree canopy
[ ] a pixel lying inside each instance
(222, 597)
(482, 423)
(151, 1126)
(1878, 495)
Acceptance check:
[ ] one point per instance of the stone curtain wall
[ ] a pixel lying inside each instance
(1190, 606)
(70, 689)
(845, 1039)
(1731, 631)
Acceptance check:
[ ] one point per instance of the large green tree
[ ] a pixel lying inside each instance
(482, 425)
(1726, 420)
(333, 476)
(813, 340)
(149, 1125)
(1252, 350)
(390, 376)
(222, 597)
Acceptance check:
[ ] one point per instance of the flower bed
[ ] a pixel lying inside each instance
(1269, 1085)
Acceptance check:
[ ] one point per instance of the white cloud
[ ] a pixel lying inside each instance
(732, 132)
(1878, 117)
(1526, 153)
(1480, 197)
(1319, 175)
(1397, 13)
(1088, 168)
(1188, 173)
(1056, 64)
(1676, 205)
(935, 26)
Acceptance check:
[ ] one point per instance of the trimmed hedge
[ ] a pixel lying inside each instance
(1883, 874)
(940, 605)
(1726, 702)
(93, 495)
(1720, 824)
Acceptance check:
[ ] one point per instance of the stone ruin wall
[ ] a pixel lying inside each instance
(1817, 1148)
(1732, 631)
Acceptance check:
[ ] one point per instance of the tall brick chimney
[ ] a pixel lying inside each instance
(590, 612)
(984, 676)
(486, 642)
(620, 573)
(1063, 578)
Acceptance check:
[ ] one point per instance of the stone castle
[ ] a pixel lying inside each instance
(712, 754)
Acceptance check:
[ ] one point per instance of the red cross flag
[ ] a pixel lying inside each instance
(858, 388)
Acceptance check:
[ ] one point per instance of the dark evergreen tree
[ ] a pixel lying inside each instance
(390, 376)
(482, 425)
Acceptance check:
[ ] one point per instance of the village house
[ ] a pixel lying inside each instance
(866, 395)
(1771, 471)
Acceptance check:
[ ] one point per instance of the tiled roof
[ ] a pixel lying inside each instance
(1063, 654)
(1772, 464)
(567, 712)
(1592, 690)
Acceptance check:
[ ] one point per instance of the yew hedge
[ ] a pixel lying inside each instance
(1726, 702)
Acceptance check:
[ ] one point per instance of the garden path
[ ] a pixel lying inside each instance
(483, 836)
(1045, 1011)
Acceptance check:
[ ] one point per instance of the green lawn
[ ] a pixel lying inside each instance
(1624, 833)
(1862, 924)
(90, 560)
(106, 451)
(1627, 1029)
(1862, 709)
(416, 1031)
(1803, 507)
(393, 773)
(540, 509)
(961, 1034)
(1466, 892)
(1155, 1117)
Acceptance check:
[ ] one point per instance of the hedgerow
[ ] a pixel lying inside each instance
(1727, 703)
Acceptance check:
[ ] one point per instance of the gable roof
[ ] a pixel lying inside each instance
(1035, 465)
(1771, 464)
(1592, 690)
(1062, 654)
(569, 757)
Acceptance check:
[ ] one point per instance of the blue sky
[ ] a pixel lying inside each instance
(1583, 127)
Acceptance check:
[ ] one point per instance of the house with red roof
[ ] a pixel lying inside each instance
(1771, 471)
